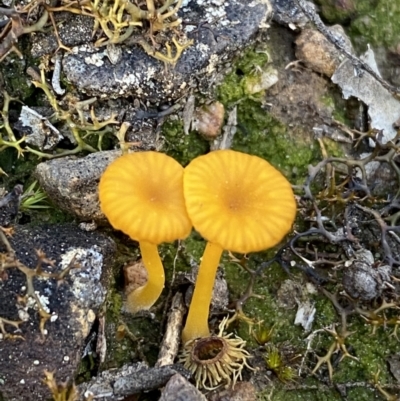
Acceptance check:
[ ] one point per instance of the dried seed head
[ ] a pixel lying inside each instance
(215, 360)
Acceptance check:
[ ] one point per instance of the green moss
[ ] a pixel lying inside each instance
(233, 87)
(15, 79)
(333, 148)
(231, 90)
(264, 306)
(326, 313)
(124, 347)
(376, 24)
(181, 147)
(319, 394)
(259, 133)
(181, 260)
(361, 394)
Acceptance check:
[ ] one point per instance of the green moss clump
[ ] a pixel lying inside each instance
(181, 260)
(15, 79)
(264, 136)
(181, 147)
(233, 88)
(376, 24)
(319, 394)
(333, 148)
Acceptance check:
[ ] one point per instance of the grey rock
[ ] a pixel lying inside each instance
(286, 12)
(116, 384)
(102, 386)
(145, 379)
(40, 132)
(72, 183)
(74, 30)
(362, 280)
(9, 206)
(71, 302)
(179, 389)
(219, 30)
(243, 391)
(394, 365)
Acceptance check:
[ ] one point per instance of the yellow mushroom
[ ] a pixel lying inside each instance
(239, 203)
(141, 194)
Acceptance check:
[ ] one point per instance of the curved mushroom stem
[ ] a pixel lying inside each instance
(145, 297)
(197, 319)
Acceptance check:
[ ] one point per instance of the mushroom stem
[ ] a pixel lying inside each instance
(144, 297)
(197, 319)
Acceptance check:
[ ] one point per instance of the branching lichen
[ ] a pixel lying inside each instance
(114, 22)
(15, 28)
(73, 117)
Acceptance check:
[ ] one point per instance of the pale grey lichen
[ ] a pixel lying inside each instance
(86, 285)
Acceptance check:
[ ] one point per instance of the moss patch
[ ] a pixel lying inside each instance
(376, 23)
(259, 133)
(233, 88)
(181, 147)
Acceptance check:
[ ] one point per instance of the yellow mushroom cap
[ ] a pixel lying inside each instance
(238, 201)
(141, 194)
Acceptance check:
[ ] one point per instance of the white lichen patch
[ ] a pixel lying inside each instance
(86, 285)
(23, 315)
(214, 11)
(128, 80)
(305, 315)
(32, 303)
(203, 48)
(212, 64)
(42, 133)
(95, 59)
(150, 73)
(268, 14)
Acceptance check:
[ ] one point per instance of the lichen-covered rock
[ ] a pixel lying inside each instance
(72, 183)
(51, 297)
(116, 384)
(218, 30)
(38, 130)
(383, 107)
(179, 389)
(73, 30)
(286, 12)
(9, 206)
(362, 280)
(243, 391)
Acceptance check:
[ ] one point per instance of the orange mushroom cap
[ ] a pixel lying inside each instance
(238, 201)
(142, 195)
